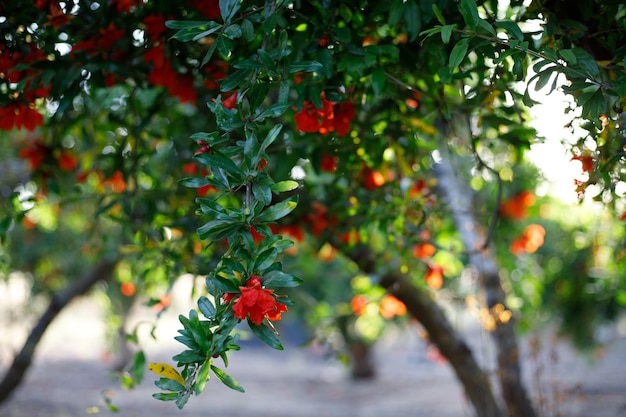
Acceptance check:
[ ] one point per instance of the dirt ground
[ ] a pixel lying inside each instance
(70, 377)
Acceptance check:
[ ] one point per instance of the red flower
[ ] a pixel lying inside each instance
(209, 8)
(358, 304)
(18, 115)
(231, 102)
(36, 153)
(67, 161)
(423, 250)
(434, 276)
(257, 302)
(329, 163)
(124, 6)
(516, 206)
(155, 26)
(306, 119)
(344, 113)
(372, 179)
(102, 43)
(116, 182)
(530, 241)
(332, 117)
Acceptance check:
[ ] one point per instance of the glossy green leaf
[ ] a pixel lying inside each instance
(186, 24)
(279, 210)
(165, 396)
(511, 28)
(265, 335)
(469, 11)
(202, 377)
(446, 33)
(206, 307)
(458, 53)
(396, 11)
(308, 66)
(283, 186)
(413, 19)
(228, 9)
(226, 379)
(280, 279)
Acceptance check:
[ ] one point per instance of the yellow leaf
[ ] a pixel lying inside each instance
(167, 371)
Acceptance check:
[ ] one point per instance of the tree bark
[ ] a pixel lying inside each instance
(459, 197)
(60, 300)
(422, 307)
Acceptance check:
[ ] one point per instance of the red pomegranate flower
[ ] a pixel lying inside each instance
(256, 302)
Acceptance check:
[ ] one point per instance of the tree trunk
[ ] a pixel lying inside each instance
(422, 307)
(459, 197)
(60, 300)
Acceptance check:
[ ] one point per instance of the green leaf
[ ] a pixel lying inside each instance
(257, 94)
(167, 384)
(458, 53)
(263, 193)
(186, 24)
(308, 66)
(247, 30)
(413, 19)
(512, 29)
(378, 80)
(209, 54)
(206, 307)
(278, 210)
(218, 229)
(221, 161)
(486, 27)
(438, 14)
(265, 259)
(203, 377)
(267, 60)
(139, 366)
(469, 11)
(446, 33)
(283, 186)
(165, 396)
(274, 110)
(226, 379)
(395, 12)
(188, 357)
(225, 284)
(280, 279)
(207, 32)
(182, 399)
(228, 8)
(270, 138)
(265, 335)
(235, 79)
(586, 62)
(193, 182)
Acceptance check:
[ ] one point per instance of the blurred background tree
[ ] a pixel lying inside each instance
(412, 127)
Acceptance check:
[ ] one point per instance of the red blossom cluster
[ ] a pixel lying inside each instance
(102, 44)
(434, 276)
(332, 117)
(516, 207)
(531, 240)
(209, 8)
(163, 74)
(255, 302)
(20, 110)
